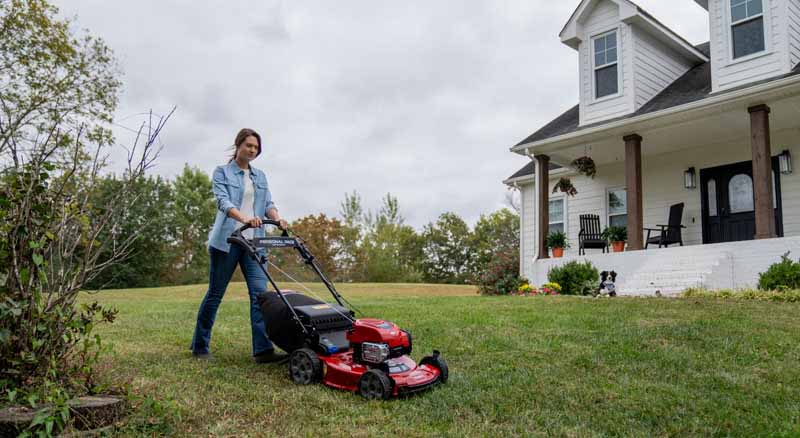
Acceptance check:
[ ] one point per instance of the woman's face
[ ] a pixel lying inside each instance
(248, 150)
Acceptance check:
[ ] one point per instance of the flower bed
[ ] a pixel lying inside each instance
(528, 290)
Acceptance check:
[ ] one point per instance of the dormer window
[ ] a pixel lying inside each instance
(747, 27)
(606, 72)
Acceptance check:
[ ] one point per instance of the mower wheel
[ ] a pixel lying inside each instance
(305, 367)
(439, 363)
(375, 384)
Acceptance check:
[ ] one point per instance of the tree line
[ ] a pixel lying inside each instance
(172, 221)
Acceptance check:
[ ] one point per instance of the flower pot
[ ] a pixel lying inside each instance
(618, 246)
(558, 252)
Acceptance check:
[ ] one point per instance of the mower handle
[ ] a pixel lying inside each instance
(266, 222)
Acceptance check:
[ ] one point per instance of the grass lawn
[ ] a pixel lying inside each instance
(536, 366)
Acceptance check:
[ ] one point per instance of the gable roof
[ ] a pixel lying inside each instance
(694, 85)
(630, 12)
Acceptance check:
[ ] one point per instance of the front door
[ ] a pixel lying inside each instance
(728, 207)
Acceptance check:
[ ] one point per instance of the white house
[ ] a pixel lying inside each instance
(713, 126)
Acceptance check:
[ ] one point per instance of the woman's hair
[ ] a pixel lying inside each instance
(240, 137)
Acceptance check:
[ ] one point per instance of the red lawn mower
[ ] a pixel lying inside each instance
(327, 344)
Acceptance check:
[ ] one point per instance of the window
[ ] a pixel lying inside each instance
(556, 215)
(712, 197)
(606, 71)
(747, 27)
(618, 208)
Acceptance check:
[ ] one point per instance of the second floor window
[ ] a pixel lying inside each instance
(606, 72)
(747, 27)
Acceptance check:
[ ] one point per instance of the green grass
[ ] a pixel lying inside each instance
(520, 366)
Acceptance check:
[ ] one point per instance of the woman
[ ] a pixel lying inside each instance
(243, 196)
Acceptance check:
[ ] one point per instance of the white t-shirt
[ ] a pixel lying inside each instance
(248, 202)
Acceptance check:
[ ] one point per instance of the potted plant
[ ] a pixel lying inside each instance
(617, 236)
(557, 242)
(585, 165)
(565, 185)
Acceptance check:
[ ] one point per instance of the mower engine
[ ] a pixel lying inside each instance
(374, 341)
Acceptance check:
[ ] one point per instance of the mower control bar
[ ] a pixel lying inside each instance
(284, 241)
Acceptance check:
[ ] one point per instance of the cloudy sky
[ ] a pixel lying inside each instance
(418, 98)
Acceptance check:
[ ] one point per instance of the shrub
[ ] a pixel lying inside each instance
(501, 275)
(783, 296)
(782, 275)
(575, 278)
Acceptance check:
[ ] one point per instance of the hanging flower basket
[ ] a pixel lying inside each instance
(565, 186)
(585, 165)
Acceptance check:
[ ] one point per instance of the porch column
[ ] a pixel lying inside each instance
(762, 171)
(633, 188)
(543, 192)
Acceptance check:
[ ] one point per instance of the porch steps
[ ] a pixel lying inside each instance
(672, 271)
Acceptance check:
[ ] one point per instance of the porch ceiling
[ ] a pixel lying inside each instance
(685, 132)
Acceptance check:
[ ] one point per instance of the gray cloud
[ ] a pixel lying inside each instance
(421, 99)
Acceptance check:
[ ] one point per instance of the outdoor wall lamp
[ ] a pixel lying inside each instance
(689, 178)
(785, 162)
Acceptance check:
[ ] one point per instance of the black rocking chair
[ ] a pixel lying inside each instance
(590, 235)
(668, 234)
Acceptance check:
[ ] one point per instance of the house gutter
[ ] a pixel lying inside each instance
(708, 102)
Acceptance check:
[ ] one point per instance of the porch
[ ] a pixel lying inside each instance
(670, 271)
(722, 161)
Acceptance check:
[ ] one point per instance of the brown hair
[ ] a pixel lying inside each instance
(241, 136)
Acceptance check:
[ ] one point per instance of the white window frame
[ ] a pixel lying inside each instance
(765, 7)
(606, 200)
(563, 199)
(595, 67)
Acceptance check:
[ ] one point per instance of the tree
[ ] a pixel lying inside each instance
(495, 233)
(193, 211)
(323, 237)
(57, 95)
(350, 259)
(447, 250)
(151, 220)
(387, 245)
(53, 83)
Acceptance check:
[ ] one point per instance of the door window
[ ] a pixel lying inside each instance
(740, 193)
(712, 197)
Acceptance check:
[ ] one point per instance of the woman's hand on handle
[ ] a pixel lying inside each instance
(254, 222)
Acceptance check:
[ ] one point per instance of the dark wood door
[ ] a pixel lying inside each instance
(728, 205)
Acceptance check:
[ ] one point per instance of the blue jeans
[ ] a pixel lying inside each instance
(222, 266)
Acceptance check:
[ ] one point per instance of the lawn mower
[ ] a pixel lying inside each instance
(326, 343)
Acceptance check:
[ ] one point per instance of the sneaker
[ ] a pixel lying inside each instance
(203, 356)
(269, 356)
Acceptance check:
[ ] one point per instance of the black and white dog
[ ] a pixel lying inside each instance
(607, 284)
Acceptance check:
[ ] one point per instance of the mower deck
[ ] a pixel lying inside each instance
(340, 371)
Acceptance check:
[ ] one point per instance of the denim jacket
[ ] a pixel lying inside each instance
(228, 185)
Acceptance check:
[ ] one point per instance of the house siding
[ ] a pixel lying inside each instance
(605, 17)
(527, 227)
(655, 66)
(793, 23)
(662, 186)
(729, 73)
